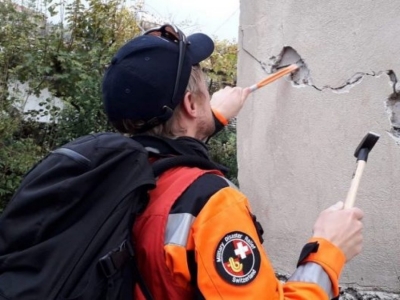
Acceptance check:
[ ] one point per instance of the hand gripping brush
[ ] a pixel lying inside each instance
(361, 154)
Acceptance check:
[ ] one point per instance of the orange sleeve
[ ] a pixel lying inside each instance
(302, 291)
(330, 258)
(231, 261)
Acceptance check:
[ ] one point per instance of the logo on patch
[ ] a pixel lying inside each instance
(237, 258)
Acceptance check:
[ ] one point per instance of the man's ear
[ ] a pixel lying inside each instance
(189, 105)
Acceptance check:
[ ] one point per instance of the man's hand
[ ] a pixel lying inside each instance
(342, 227)
(229, 101)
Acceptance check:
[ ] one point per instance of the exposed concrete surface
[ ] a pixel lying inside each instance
(354, 294)
(357, 293)
(28, 102)
(297, 136)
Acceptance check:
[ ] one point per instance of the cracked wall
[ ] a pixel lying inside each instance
(297, 136)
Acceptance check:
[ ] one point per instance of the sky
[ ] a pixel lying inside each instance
(218, 18)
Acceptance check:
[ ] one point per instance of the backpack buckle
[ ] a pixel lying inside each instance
(116, 259)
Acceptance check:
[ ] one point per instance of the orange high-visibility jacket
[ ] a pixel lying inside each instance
(198, 240)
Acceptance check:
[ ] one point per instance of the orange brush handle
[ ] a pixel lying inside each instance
(275, 76)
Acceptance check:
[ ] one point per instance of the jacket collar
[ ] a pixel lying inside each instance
(158, 146)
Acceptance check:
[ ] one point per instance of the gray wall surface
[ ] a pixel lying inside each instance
(297, 136)
(27, 101)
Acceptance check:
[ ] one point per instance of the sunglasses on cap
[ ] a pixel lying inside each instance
(172, 34)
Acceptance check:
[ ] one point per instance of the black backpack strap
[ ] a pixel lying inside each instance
(139, 279)
(116, 259)
(119, 257)
(164, 164)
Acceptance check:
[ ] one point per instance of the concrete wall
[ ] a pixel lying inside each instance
(28, 102)
(297, 136)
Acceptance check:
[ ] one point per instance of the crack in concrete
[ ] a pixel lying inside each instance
(302, 78)
(393, 110)
(393, 107)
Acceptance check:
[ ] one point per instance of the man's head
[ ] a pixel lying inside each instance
(149, 75)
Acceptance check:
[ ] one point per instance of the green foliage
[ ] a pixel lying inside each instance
(221, 72)
(69, 59)
(16, 157)
(223, 151)
(16, 38)
(222, 65)
(95, 34)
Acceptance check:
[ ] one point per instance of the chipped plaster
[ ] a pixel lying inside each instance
(297, 136)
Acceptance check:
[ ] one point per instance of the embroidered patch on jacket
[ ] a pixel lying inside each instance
(237, 258)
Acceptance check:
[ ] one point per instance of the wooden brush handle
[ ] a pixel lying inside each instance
(355, 182)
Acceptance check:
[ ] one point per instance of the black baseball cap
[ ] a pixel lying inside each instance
(140, 81)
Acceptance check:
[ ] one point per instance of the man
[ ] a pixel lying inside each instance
(201, 241)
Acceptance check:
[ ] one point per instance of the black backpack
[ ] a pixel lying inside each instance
(66, 233)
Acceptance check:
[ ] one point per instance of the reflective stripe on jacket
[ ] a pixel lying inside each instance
(197, 240)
